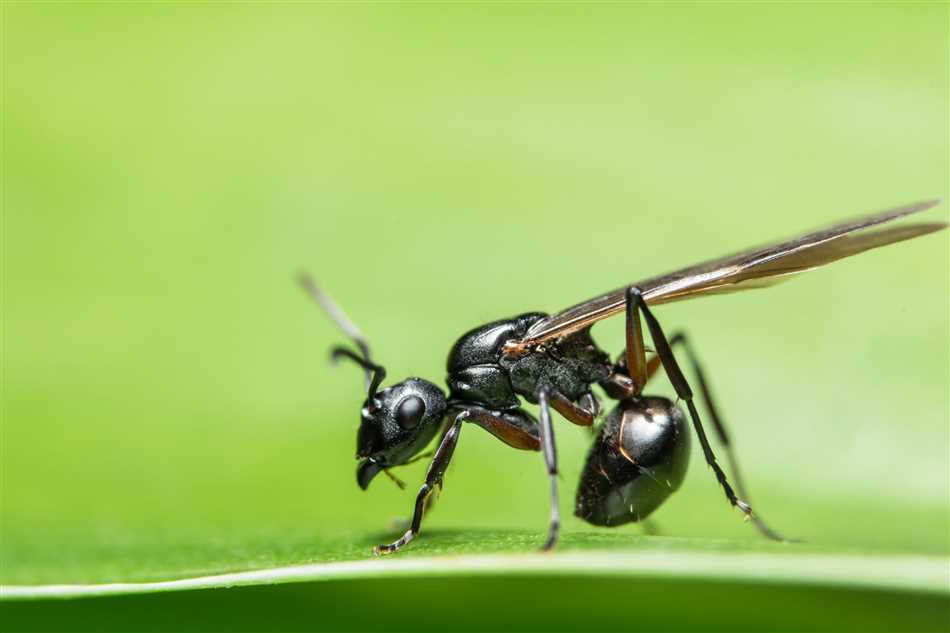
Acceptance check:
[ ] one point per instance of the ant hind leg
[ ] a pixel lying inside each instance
(683, 390)
(681, 339)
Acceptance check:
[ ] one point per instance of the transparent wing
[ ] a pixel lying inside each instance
(754, 268)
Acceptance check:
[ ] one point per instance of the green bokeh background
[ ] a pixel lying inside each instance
(168, 407)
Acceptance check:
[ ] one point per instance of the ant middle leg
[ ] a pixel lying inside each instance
(550, 462)
(519, 430)
(583, 412)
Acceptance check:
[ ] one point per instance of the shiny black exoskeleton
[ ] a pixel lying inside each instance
(480, 372)
(642, 449)
(396, 424)
(639, 457)
(485, 383)
(638, 460)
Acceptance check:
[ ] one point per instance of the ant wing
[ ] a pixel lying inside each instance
(784, 268)
(754, 268)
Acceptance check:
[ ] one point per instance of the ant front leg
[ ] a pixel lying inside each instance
(636, 303)
(434, 475)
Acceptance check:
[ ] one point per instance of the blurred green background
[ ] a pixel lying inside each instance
(168, 407)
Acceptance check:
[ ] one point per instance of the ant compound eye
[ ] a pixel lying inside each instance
(410, 411)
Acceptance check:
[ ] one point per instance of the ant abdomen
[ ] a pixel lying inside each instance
(638, 460)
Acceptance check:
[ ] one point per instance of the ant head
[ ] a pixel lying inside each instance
(396, 423)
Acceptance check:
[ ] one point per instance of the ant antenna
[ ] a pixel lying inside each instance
(374, 373)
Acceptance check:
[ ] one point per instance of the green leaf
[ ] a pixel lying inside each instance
(580, 554)
(169, 420)
(653, 584)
